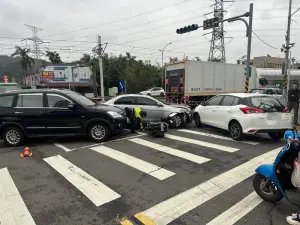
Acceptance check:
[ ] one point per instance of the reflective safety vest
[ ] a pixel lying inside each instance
(137, 112)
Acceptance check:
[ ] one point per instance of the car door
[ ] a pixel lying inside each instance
(126, 101)
(225, 111)
(61, 118)
(6, 110)
(208, 113)
(153, 108)
(30, 112)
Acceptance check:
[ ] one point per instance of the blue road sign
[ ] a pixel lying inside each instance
(121, 85)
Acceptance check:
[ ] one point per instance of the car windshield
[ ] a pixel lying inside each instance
(80, 99)
(259, 91)
(268, 104)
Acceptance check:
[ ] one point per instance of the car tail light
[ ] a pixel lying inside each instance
(286, 109)
(250, 110)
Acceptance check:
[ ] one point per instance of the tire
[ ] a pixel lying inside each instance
(276, 136)
(104, 134)
(16, 136)
(236, 131)
(161, 94)
(259, 180)
(177, 121)
(197, 119)
(149, 94)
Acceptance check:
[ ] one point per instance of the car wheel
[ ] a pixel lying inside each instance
(99, 132)
(13, 136)
(149, 94)
(162, 94)
(236, 131)
(177, 121)
(198, 122)
(276, 136)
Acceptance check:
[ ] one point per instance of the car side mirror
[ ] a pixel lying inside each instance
(71, 106)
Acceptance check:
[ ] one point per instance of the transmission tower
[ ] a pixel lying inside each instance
(36, 41)
(217, 46)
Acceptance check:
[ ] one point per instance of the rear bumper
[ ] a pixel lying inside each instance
(254, 131)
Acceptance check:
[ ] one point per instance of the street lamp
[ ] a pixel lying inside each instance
(162, 63)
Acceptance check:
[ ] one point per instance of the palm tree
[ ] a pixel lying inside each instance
(26, 60)
(53, 57)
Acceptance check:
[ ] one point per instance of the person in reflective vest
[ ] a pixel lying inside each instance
(137, 116)
(132, 120)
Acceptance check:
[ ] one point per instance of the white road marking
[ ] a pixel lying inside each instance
(93, 189)
(202, 143)
(116, 140)
(238, 211)
(136, 163)
(185, 155)
(171, 209)
(217, 136)
(13, 210)
(63, 147)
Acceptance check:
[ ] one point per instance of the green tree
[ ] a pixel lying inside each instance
(26, 60)
(54, 57)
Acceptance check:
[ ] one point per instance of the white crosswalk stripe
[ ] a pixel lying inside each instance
(100, 192)
(12, 207)
(216, 136)
(185, 155)
(93, 189)
(202, 143)
(136, 163)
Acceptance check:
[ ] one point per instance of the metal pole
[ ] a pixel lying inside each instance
(287, 49)
(289, 73)
(101, 68)
(162, 68)
(162, 64)
(249, 34)
(95, 83)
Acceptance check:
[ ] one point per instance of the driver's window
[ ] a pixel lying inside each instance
(214, 101)
(270, 92)
(57, 101)
(146, 101)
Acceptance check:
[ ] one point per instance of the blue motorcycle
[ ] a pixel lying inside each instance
(273, 182)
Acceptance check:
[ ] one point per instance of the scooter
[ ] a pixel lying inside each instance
(273, 182)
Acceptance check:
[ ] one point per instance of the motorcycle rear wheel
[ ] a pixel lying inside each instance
(270, 193)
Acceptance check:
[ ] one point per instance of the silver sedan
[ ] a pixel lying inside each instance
(155, 109)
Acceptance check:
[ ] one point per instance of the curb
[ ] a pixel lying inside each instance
(137, 219)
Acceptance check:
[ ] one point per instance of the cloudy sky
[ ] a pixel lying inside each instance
(142, 27)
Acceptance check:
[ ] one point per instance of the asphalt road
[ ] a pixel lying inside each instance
(77, 182)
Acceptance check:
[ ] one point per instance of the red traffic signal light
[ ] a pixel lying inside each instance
(187, 29)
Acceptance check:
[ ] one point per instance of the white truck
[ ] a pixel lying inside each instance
(192, 82)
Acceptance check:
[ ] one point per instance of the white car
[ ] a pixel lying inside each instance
(156, 91)
(245, 113)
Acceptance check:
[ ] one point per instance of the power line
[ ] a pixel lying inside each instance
(263, 41)
(122, 19)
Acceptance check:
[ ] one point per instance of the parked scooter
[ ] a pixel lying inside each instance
(273, 182)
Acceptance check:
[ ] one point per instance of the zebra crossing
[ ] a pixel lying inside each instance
(157, 180)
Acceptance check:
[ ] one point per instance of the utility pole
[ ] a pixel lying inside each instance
(100, 51)
(287, 49)
(101, 68)
(162, 64)
(289, 73)
(249, 48)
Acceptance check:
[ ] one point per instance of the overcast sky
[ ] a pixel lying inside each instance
(143, 27)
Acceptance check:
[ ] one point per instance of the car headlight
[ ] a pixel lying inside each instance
(115, 114)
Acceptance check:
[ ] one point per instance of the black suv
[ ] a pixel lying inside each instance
(49, 112)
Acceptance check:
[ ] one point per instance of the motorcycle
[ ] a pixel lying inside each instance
(157, 129)
(273, 182)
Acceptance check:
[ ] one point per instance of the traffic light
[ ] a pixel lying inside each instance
(210, 23)
(245, 73)
(187, 29)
